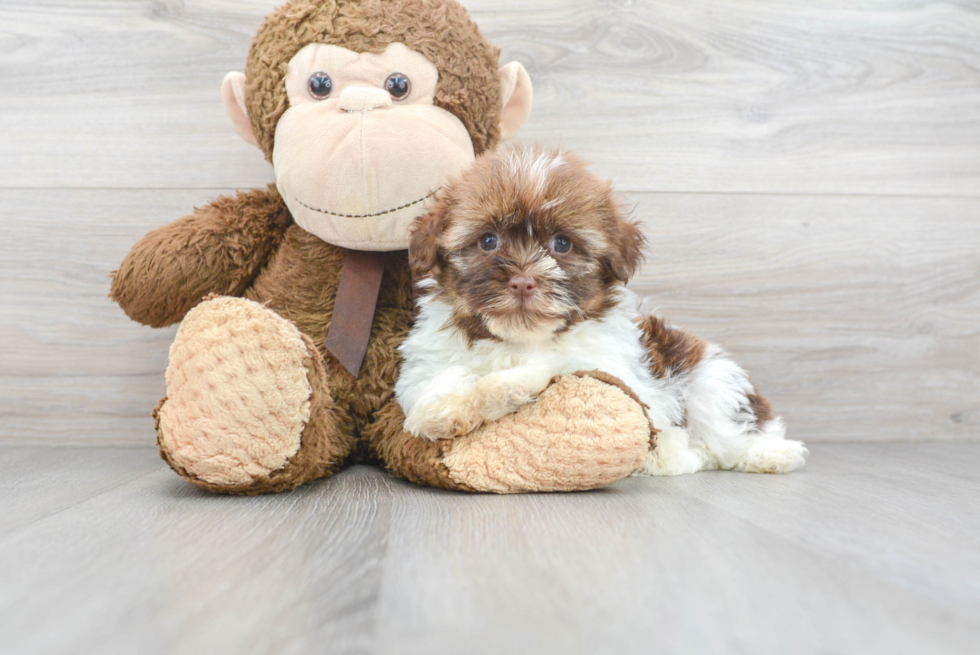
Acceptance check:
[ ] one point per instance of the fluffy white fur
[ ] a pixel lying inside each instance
(448, 387)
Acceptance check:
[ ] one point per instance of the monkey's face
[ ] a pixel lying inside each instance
(362, 148)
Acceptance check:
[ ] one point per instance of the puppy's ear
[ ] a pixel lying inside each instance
(423, 247)
(627, 243)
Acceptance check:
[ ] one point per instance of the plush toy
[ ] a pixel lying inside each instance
(293, 300)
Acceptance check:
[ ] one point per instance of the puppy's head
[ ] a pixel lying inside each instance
(524, 245)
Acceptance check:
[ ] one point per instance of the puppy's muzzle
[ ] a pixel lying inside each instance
(523, 286)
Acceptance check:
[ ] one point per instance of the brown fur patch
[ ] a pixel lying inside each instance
(761, 409)
(411, 457)
(468, 87)
(672, 351)
(305, 295)
(218, 249)
(524, 198)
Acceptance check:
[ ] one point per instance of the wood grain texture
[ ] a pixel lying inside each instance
(709, 95)
(856, 315)
(872, 548)
(181, 570)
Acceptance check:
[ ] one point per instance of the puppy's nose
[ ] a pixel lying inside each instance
(360, 98)
(523, 285)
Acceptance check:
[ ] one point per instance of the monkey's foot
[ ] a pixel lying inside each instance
(585, 431)
(247, 409)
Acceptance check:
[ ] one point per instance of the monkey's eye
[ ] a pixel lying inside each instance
(398, 86)
(561, 244)
(320, 85)
(488, 242)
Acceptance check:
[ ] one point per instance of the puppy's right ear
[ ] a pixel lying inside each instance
(423, 247)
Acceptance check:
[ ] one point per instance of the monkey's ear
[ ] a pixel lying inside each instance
(516, 96)
(233, 96)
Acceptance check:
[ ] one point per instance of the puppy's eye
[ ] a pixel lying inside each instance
(398, 86)
(561, 244)
(320, 85)
(488, 241)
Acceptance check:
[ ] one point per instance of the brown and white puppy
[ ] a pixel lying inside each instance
(527, 244)
(521, 269)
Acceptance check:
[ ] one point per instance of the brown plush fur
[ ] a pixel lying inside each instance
(217, 249)
(305, 293)
(439, 29)
(415, 459)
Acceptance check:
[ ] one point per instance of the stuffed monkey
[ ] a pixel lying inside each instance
(293, 299)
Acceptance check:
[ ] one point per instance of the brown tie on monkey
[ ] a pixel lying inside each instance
(365, 109)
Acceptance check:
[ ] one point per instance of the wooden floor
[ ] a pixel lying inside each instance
(873, 548)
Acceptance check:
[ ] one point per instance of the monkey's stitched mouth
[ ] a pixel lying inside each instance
(387, 211)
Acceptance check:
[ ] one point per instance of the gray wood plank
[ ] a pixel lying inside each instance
(732, 95)
(906, 513)
(156, 566)
(654, 584)
(856, 315)
(710, 563)
(871, 548)
(73, 367)
(36, 483)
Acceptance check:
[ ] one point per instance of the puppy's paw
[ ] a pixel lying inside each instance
(451, 416)
(674, 455)
(500, 397)
(771, 455)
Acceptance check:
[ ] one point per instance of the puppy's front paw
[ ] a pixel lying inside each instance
(450, 416)
(500, 396)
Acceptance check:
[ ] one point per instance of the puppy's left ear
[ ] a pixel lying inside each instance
(423, 247)
(627, 244)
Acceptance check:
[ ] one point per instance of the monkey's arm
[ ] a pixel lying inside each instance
(217, 249)
(584, 431)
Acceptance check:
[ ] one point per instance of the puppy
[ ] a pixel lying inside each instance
(521, 269)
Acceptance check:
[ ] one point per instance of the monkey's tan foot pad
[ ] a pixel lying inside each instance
(238, 395)
(585, 431)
